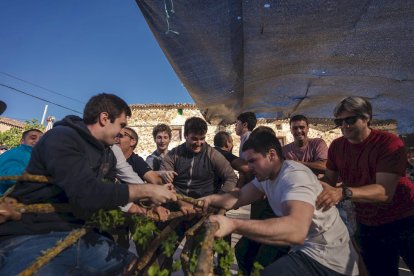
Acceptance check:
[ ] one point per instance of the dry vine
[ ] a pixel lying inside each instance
(72, 238)
(204, 266)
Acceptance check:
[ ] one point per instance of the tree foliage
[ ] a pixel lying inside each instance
(11, 138)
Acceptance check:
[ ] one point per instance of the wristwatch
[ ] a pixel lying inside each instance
(346, 193)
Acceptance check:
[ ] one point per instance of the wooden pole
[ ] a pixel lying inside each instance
(205, 261)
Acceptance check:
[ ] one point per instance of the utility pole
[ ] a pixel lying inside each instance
(44, 115)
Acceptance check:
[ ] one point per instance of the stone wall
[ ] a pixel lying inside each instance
(145, 117)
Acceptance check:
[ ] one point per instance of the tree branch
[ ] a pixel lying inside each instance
(73, 237)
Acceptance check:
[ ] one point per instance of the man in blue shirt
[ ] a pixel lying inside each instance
(14, 161)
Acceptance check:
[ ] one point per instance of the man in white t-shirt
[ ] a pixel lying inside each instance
(320, 241)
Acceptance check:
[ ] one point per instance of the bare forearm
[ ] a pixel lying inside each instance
(153, 178)
(275, 231)
(330, 177)
(227, 201)
(137, 192)
(371, 193)
(318, 167)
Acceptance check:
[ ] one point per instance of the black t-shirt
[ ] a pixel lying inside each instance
(228, 155)
(139, 165)
(218, 182)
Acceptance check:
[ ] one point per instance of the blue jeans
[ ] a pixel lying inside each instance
(94, 254)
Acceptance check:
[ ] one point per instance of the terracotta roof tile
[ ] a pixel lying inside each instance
(162, 106)
(11, 122)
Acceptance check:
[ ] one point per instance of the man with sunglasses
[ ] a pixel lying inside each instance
(128, 141)
(371, 164)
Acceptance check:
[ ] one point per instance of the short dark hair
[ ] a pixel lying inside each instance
(262, 142)
(103, 102)
(260, 129)
(249, 118)
(195, 125)
(134, 134)
(26, 132)
(221, 138)
(161, 128)
(297, 118)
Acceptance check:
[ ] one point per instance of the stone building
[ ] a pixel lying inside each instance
(146, 116)
(7, 123)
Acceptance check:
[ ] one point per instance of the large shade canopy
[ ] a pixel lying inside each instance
(279, 58)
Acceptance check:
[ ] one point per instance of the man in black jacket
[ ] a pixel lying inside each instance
(75, 154)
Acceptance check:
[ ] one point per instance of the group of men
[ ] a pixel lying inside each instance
(295, 229)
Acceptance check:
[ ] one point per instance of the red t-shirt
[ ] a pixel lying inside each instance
(357, 165)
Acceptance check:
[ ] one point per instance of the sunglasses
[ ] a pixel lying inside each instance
(121, 135)
(348, 120)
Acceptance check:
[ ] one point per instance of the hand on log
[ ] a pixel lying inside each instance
(7, 212)
(199, 204)
(225, 225)
(186, 208)
(135, 209)
(163, 213)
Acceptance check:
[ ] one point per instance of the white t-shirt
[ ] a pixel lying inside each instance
(328, 240)
(125, 172)
(243, 139)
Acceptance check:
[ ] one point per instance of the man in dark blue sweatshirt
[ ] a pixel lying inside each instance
(75, 154)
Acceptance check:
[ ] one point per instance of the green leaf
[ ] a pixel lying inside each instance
(143, 230)
(107, 220)
(176, 265)
(169, 245)
(257, 267)
(154, 270)
(225, 255)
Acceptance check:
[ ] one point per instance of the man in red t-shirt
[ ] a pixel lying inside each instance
(371, 164)
(313, 153)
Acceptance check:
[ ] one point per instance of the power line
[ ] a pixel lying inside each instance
(28, 94)
(44, 88)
